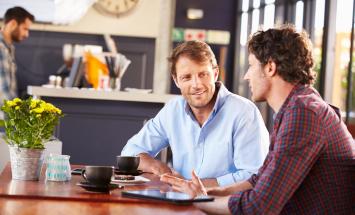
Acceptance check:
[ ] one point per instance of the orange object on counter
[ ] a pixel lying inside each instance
(95, 69)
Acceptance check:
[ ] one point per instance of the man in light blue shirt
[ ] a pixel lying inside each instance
(218, 134)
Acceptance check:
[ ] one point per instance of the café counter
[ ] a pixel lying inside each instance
(97, 123)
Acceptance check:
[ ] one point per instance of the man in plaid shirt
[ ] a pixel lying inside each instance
(17, 23)
(310, 166)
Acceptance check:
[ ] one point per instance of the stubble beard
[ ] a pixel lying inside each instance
(15, 35)
(200, 103)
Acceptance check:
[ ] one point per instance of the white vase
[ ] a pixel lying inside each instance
(26, 164)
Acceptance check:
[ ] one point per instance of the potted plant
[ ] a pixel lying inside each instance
(28, 125)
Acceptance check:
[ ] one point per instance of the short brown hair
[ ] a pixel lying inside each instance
(195, 50)
(290, 50)
(19, 14)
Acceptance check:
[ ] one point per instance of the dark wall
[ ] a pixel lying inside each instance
(94, 132)
(218, 15)
(40, 56)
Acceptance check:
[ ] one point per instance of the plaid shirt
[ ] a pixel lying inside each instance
(8, 88)
(310, 166)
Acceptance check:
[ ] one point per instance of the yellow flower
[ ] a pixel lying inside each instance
(10, 103)
(59, 111)
(48, 107)
(17, 100)
(38, 110)
(34, 111)
(34, 103)
(51, 108)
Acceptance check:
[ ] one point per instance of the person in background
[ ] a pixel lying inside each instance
(203, 128)
(310, 168)
(17, 22)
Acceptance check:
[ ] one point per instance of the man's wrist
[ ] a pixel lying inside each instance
(217, 191)
(159, 168)
(149, 164)
(210, 182)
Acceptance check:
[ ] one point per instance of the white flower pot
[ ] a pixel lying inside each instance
(26, 164)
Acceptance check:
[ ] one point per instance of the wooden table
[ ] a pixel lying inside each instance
(47, 197)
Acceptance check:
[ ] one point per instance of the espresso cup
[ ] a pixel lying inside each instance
(127, 163)
(100, 175)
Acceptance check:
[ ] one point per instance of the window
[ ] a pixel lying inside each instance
(318, 38)
(269, 16)
(342, 59)
(299, 15)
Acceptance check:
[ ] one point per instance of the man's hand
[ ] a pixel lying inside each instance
(210, 182)
(176, 174)
(194, 187)
(149, 164)
(159, 168)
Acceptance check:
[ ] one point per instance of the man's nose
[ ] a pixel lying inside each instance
(246, 76)
(26, 34)
(196, 81)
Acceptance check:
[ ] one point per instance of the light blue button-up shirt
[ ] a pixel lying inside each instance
(230, 146)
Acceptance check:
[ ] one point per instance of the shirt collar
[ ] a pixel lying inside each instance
(294, 91)
(8, 46)
(221, 96)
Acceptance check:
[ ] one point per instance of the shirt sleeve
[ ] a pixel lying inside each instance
(251, 144)
(296, 149)
(4, 86)
(151, 139)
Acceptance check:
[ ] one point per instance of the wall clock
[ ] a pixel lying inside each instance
(115, 7)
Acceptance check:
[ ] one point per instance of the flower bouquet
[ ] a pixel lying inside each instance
(28, 125)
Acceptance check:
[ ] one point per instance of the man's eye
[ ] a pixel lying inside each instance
(185, 78)
(203, 74)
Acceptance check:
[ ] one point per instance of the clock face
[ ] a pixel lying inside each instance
(115, 7)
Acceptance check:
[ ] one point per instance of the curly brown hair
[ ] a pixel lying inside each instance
(290, 50)
(195, 50)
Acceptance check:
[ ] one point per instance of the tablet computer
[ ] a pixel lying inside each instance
(173, 197)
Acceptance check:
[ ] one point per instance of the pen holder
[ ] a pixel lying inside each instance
(115, 83)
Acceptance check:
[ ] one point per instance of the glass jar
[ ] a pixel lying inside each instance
(58, 168)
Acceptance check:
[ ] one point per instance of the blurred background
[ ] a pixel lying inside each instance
(145, 31)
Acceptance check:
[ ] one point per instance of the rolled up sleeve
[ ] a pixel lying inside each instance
(232, 178)
(150, 139)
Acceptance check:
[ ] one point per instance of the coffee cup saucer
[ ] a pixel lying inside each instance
(134, 181)
(134, 173)
(101, 188)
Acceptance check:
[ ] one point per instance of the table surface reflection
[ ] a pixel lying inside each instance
(48, 197)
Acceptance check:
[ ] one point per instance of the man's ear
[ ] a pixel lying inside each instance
(216, 73)
(12, 24)
(176, 81)
(270, 68)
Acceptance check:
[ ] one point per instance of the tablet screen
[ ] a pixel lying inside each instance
(174, 197)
